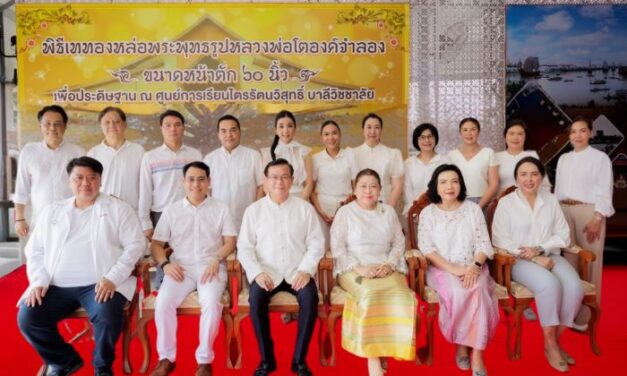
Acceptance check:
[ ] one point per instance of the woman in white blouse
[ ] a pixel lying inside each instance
(529, 224)
(418, 169)
(453, 236)
(584, 185)
(298, 155)
(476, 163)
(333, 172)
(368, 245)
(515, 134)
(386, 161)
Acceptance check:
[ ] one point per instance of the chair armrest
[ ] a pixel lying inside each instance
(501, 269)
(586, 257)
(417, 267)
(142, 272)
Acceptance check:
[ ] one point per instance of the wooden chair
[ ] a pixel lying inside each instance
(429, 297)
(523, 297)
(87, 331)
(282, 302)
(335, 296)
(190, 306)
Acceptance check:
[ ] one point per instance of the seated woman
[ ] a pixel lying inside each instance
(368, 245)
(453, 235)
(530, 225)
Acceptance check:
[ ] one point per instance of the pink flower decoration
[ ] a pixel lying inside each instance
(43, 25)
(30, 43)
(394, 42)
(381, 24)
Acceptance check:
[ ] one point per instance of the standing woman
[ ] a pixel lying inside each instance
(418, 169)
(476, 163)
(584, 184)
(333, 172)
(453, 236)
(387, 162)
(515, 134)
(529, 224)
(368, 245)
(298, 155)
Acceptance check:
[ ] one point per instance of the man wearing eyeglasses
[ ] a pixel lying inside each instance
(280, 244)
(80, 254)
(41, 176)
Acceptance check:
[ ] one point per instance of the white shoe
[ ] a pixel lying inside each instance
(579, 328)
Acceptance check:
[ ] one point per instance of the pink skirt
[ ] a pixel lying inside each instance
(467, 317)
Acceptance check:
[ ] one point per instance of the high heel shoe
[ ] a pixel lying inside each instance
(557, 364)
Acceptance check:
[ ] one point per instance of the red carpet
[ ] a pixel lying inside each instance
(17, 357)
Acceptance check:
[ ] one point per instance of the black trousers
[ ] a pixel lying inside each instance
(259, 300)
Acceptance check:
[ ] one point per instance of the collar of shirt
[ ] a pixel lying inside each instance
(165, 147)
(339, 155)
(187, 203)
(276, 205)
(46, 147)
(123, 146)
(537, 205)
(436, 158)
(233, 152)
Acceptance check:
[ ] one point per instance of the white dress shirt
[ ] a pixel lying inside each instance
(333, 177)
(280, 240)
(507, 163)
(387, 162)
(41, 175)
(455, 235)
(160, 182)
(235, 177)
(417, 177)
(120, 177)
(367, 237)
(475, 170)
(517, 225)
(586, 176)
(116, 242)
(195, 232)
(295, 154)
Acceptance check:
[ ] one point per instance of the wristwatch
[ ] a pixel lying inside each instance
(478, 264)
(163, 264)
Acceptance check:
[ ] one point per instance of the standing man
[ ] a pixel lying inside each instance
(236, 170)
(201, 233)
(81, 254)
(162, 171)
(280, 244)
(120, 158)
(41, 176)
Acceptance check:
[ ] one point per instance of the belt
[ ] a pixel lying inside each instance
(570, 202)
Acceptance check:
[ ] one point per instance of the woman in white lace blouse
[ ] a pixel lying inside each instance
(452, 234)
(368, 246)
(284, 146)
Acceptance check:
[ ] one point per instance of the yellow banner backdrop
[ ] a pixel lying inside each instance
(331, 61)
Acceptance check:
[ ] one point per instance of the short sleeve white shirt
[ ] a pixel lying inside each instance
(507, 163)
(417, 177)
(475, 170)
(333, 177)
(386, 161)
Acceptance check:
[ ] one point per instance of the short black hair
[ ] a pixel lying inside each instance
(196, 164)
(53, 108)
(581, 118)
(227, 117)
(472, 120)
(421, 128)
(84, 161)
(278, 162)
(109, 109)
(532, 160)
(171, 113)
(330, 122)
(432, 190)
(368, 172)
(373, 116)
(515, 122)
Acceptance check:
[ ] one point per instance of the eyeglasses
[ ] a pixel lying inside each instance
(426, 137)
(80, 178)
(280, 177)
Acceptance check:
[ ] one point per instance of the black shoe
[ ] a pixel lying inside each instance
(265, 368)
(301, 369)
(71, 368)
(104, 371)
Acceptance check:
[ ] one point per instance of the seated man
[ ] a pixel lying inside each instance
(81, 254)
(280, 244)
(201, 233)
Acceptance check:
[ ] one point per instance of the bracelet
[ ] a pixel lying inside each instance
(534, 258)
(598, 216)
(163, 264)
(478, 264)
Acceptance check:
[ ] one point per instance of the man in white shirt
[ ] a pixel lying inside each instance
(280, 244)
(235, 169)
(41, 176)
(81, 254)
(120, 158)
(162, 171)
(201, 233)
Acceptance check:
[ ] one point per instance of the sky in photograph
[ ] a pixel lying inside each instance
(572, 34)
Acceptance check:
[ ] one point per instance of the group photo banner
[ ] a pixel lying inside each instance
(320, 61)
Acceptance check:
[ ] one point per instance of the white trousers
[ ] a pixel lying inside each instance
(171, 295)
